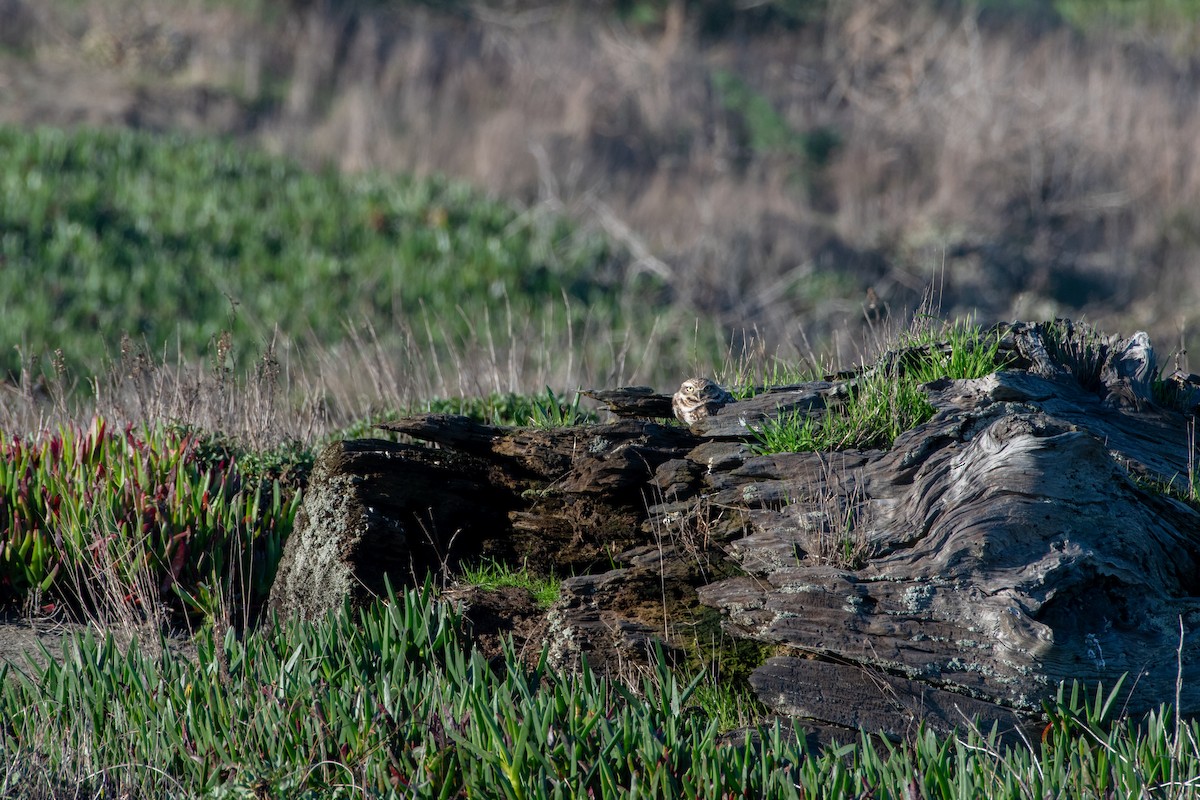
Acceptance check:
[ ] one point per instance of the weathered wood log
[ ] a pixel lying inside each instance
(1006, 546)
(740, 420)
(1034, 530)
(735, 421)
(1186, 389)
(633, 401)
(377, 509)
(852, 697)
(571, 498)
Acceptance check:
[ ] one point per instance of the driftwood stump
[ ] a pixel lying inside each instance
(1035, 530)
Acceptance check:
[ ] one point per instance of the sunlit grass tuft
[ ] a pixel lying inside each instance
(491, 574)
(886, 399)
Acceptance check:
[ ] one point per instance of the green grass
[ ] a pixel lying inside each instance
(887, 400)
(501, 408)
(1098, 18)
(717, 18)
(389, 702)
(493, 574)
(774, 372)
(731, 707)
(552, 411)
(175, 240)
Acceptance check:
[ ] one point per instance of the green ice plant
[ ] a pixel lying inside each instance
(137, 498)
(390, 701)
(385, 701)
(173, 239)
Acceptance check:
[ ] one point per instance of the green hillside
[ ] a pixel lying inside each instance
(108, 233)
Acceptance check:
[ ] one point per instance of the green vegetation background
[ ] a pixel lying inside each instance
(174, 240)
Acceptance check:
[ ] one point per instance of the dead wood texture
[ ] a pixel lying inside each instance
(1035, 530)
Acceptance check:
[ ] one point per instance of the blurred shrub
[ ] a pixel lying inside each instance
(720, 16)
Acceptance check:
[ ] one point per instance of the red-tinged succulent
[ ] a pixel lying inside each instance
(141, 496)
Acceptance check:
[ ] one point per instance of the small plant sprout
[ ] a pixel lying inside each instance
(552, 411)
(492, 574)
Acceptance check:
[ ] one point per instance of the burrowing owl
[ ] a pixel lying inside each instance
(698, 398)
